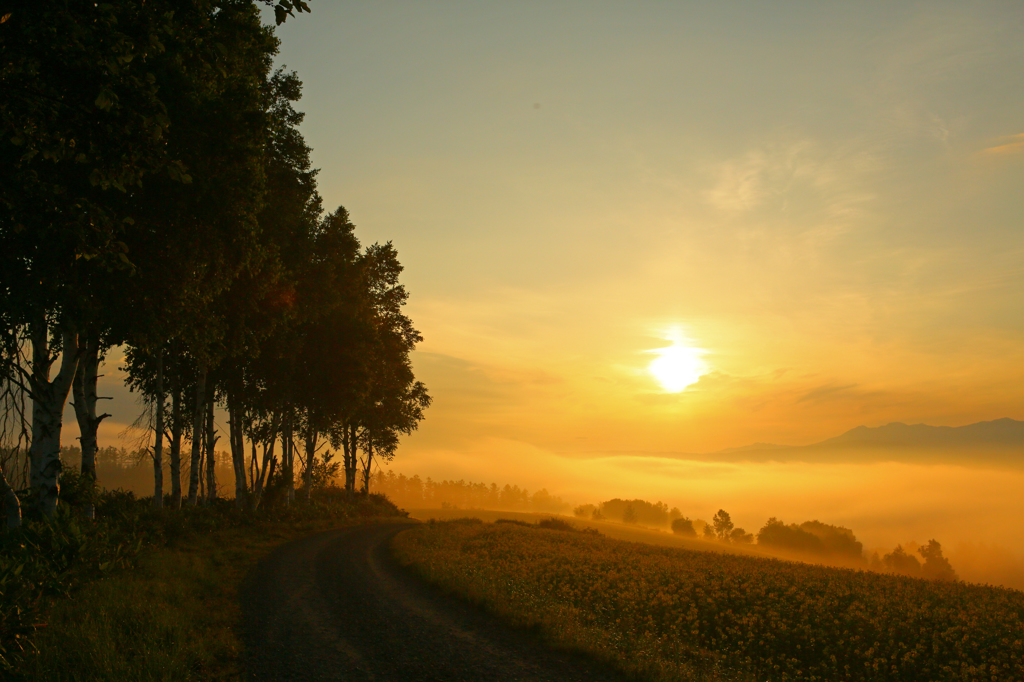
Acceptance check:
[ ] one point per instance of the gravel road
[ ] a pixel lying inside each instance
(336, 606)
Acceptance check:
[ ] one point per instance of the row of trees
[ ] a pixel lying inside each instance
(811, 538)
(630, 511)
(156, 194)
(414, 492)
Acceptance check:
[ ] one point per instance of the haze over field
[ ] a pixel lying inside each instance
(803, 220)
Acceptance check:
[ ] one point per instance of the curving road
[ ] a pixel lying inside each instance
(336, 606)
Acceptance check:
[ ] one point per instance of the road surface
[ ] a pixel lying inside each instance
(337, 606)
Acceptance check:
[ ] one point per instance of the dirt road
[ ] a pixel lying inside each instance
(336, 606)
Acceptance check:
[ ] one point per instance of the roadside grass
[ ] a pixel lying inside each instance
(661, 613)
(173, 614)
(171, 618)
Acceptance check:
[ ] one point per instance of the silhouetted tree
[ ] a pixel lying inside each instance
(936, 566)
(898, 561)
(722, 523)
(683, 526)
(738, 536)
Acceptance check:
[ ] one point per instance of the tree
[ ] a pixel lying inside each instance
(80, 125)
(722, 523)
(778, 535)
(936, 566)
(85, 400)
(898, 561)
(683, 526)
(739, 536)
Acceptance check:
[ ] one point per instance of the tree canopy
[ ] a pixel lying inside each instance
(156, 193)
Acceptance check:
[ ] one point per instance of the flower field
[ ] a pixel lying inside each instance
(673, 614)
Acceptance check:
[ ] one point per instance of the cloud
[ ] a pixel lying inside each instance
(1013, 144)
(820, 189)
(825, 392)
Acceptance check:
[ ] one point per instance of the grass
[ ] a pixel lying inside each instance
(174, 614)
(671, 614)
(172, 618)
(612, 529)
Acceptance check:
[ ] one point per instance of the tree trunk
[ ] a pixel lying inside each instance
(288, 463)
(347, 455)
(237, 438)
(12, 506)
(197, 437)
(158, 447)
(84, 391)
(201, 496)
(211, 449)
(369, 465)
(352, 460)
(261, 471)
(176, 429)
(48, 399)
(307, 475)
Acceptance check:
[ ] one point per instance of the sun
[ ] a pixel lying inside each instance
(677, 366)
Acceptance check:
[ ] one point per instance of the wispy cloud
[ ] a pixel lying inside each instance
(825, 392)
(1013, 144)
(801, 180)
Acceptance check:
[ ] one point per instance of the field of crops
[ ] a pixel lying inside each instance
(673, 614)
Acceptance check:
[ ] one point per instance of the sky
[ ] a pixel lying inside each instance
(814, 207)
(823, 198)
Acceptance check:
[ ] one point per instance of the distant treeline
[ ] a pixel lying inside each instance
(810, 538)
(630, 511)
(110, 457)
(415, 492)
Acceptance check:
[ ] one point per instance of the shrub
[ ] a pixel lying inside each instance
(684, 526)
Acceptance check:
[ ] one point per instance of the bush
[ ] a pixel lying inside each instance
(556, 524)
(684, 526)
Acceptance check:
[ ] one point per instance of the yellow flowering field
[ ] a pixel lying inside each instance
(674, 614)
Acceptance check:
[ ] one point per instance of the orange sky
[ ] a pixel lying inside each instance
(824, 200)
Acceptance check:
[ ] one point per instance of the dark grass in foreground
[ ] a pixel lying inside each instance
(167, 612)
(673, 614)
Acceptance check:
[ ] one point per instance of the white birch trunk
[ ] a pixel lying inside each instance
(352, 460)
(369, 465)
(237, 438)
(158, 447)
(211, 449)
(197, 438)
(307, 475)
(175, 444)
(48, 399)
(347, 454)
(288, 455)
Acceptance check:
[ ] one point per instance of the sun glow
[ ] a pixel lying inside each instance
(677, 366)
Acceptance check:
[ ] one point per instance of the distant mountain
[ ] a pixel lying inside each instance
(999, 442)
(1003, 433)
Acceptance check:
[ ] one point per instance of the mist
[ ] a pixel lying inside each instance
(971, 510)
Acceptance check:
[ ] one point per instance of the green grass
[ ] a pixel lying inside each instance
(174, 617)
(142, 594)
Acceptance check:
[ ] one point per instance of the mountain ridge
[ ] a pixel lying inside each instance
(999, 441)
